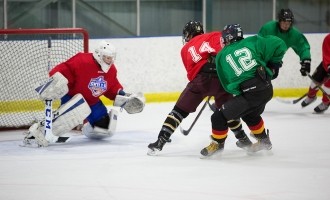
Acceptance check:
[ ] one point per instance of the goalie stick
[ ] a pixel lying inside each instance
(49, 104)
(49, 109)
(186, 132)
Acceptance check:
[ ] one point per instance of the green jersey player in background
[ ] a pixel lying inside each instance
(245, 68)
(284, 29)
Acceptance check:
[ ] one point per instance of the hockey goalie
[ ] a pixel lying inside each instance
(78, 83)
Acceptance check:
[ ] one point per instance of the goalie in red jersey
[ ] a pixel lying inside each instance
(198, 55)
(79, 82)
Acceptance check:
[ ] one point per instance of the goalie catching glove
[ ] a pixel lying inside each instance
(132, 103)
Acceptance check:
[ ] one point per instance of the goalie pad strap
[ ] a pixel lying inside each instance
(55, 88)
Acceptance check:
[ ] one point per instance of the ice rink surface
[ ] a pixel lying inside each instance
(297, 168)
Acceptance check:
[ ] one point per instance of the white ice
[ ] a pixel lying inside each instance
(297, 168)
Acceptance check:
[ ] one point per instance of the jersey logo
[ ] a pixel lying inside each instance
(98, 86)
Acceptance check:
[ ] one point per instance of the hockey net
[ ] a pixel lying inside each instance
(26, 57)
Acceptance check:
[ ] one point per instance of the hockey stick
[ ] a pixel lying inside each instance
(300, 98)
(48, 132)
(319, 86)
(186, 132)
(291, 101)
(49, 103)
(48, 124)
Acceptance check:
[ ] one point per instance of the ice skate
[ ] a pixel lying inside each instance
(244, 142)
(321, 108)
(29, 141)
(157, 146)
(36, 132)
(214, 147)
(308, 101)
(261, 144)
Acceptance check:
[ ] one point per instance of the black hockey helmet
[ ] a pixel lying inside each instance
(232, 33)
(285, 15)
(191, 29)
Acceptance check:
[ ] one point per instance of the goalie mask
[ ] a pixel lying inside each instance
(105, 55)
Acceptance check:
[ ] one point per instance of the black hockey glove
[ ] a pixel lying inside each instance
(275, 67)
(305, 67)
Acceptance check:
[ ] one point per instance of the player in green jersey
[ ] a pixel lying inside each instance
(245, 68)
(284, 29)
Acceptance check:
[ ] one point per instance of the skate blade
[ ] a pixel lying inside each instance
(263, 152)
(152, 152)
(318, 113)
(246, 148)
(216, 154)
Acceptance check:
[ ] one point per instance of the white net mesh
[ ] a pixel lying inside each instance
(25, 61)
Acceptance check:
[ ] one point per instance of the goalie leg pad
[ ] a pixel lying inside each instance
(65, 118)
(55, 88)
(132, 104)
(100, 133)
(70, 115)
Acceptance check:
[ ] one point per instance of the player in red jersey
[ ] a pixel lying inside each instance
(198, 55)
(79, 82)
(321, 77)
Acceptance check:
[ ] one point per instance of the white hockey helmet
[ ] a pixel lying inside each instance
(103, 50)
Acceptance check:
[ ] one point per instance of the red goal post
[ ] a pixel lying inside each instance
(26, 57)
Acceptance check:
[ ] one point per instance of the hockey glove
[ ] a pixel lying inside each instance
(275, 67)
(305, 67)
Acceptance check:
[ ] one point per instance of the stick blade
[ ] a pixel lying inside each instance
(286, 101)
